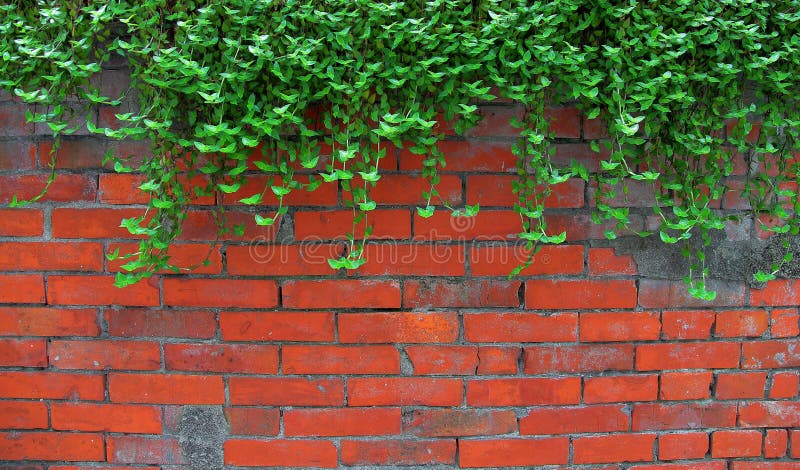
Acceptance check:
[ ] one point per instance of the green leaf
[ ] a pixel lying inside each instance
(229, 188)
(425, 212)
(264, 220)
(252, 200)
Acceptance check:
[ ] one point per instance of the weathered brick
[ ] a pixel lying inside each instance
(342, 422)
(513, 452)
(575, 420)
(281, 452)
(340, 360)
(399, 452)
(398, 327)
(459, 422)
(524, 391)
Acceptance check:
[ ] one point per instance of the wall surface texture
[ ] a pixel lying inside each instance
(428, 356)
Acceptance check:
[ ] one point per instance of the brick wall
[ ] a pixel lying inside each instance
(428, 356)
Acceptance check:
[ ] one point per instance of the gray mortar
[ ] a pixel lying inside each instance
(201, 433)
(726, 260)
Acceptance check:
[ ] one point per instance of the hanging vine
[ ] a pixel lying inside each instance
(318, 90)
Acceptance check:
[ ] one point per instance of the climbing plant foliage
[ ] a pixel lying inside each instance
(677, 83)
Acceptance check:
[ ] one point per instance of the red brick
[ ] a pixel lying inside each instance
(735, 323)
(487, 225)
(770, 354)
(100, 290)
(583, 294)
(495, 122)
(187, 257)
(121, 189)
(580, 226)
(513, 452)
(526, 327)
(284, 391)
(442, 293)
(741, 385)
(405, 189)
(795, 438)
(620, 326)
(776, 443)
(620, 388)
(124, 189)
(106, 467)
(398, 452)
(325, 195)
(23, 415)
(784, 323)
(341, 422)
(105, 417)
(564, 122)
(578, 358)
(22, 288)
(43, 321)
(166, 389)
(284, 453)
(89, 152)
(160, 323)
(550, 260)
(772, 414)
(220, 293)
(200, 225)
(320, 225)
(524, 391)
(657, 293)
(498, 360)
(33, 256)
(51, 446)
(785, 385)
(51, 385)
(17, 155)
(105, 354)
(140, 449)
(686, 385)
(656, 416)
(687, 324)
(71, 222)
(398, 327)
(340, 360)
(614, 448)
(709, 465)
(282, 260)
(413, 260)
(459, 422)
(405, 391)
(467, 156)
(443, 360)
(777, 293)
(65, 188)
(575, 420)
(665, 356)
(727, 444)
(605, 262)
(277, 326)
(21, 222)
(497, 191)
(234, 358)
(341, 293)
(253, 421)
(682, 446)
(23, 353)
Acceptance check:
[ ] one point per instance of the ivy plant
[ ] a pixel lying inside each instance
(318, 90)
